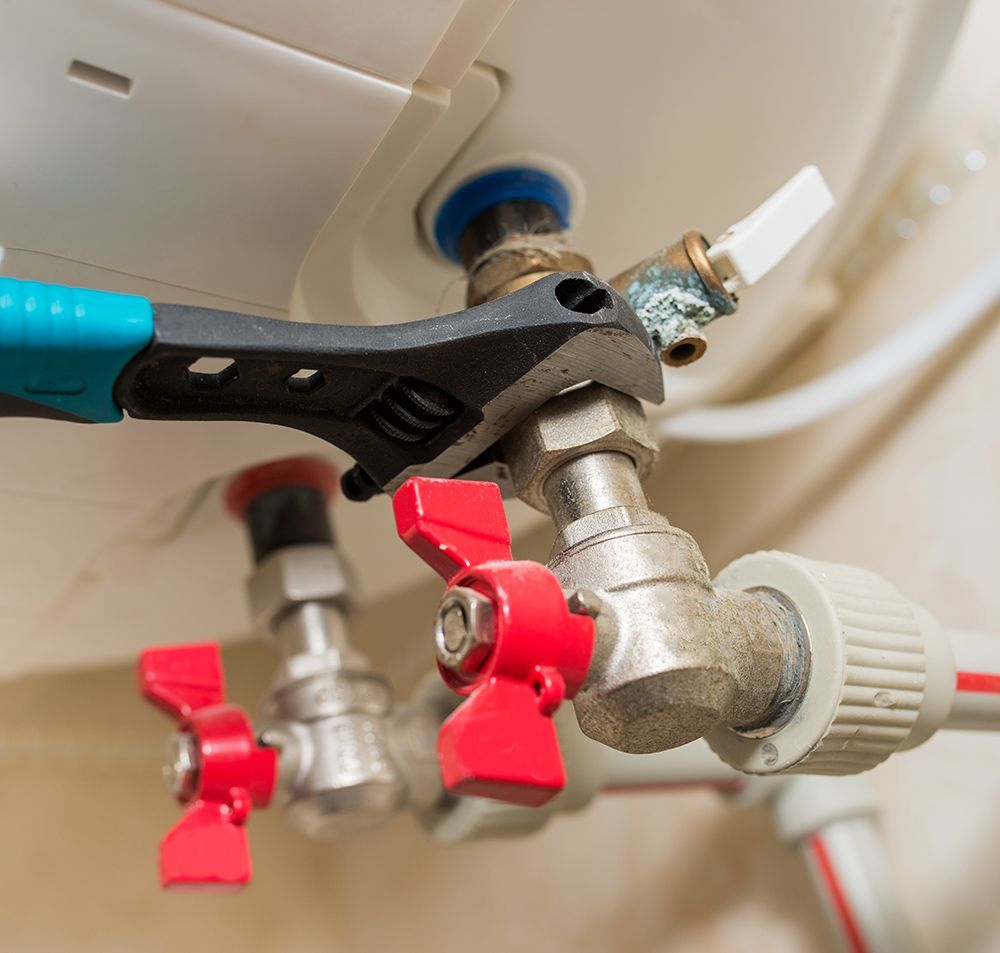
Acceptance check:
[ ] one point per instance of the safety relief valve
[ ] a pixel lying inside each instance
(505, 637)
(215, 767)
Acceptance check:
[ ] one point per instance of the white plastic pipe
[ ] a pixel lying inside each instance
(976, 705)
(848, 868)
(928, 334)
(832, 822)
(691, 765)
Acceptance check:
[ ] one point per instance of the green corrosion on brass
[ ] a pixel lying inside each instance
(672, 303)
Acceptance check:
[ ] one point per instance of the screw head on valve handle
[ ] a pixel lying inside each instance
(182, 765)
(505, 638)
(464, 631)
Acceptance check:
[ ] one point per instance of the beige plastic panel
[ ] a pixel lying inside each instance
(216, 169)
(394, 38)
(373, 238)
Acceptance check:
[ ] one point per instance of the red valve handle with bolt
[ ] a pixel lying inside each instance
(217, 770)
(215, 767)
(505, 637)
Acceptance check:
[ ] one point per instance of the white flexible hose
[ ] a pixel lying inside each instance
(921, 339)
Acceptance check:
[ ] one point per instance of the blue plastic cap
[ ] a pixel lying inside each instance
(492, 188)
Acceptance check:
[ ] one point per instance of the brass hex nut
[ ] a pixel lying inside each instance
(590, 419)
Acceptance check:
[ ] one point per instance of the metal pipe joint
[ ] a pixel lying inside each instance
(349, 758)
(675, 657)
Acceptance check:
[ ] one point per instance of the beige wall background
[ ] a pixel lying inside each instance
(907, 484)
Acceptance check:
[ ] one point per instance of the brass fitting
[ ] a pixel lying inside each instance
(517, 262)
(675, 293)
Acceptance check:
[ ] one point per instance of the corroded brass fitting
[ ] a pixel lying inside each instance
(675, 293)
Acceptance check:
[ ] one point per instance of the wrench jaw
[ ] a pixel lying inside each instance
(633, 371)
(428, 397)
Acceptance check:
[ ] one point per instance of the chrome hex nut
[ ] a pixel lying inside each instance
(587, 420)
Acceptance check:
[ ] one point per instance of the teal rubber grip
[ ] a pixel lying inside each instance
(64, 347)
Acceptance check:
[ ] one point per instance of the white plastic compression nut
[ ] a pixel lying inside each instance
(867, 681)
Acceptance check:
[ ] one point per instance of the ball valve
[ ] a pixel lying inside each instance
(505, 637)
(327, 710)
(216, 768)
(326, 718)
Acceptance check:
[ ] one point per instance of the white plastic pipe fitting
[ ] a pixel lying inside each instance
(883, 675)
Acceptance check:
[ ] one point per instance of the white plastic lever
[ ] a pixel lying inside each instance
(748, 250)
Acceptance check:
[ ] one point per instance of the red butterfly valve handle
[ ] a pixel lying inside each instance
(505, 638)
(215, 768)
